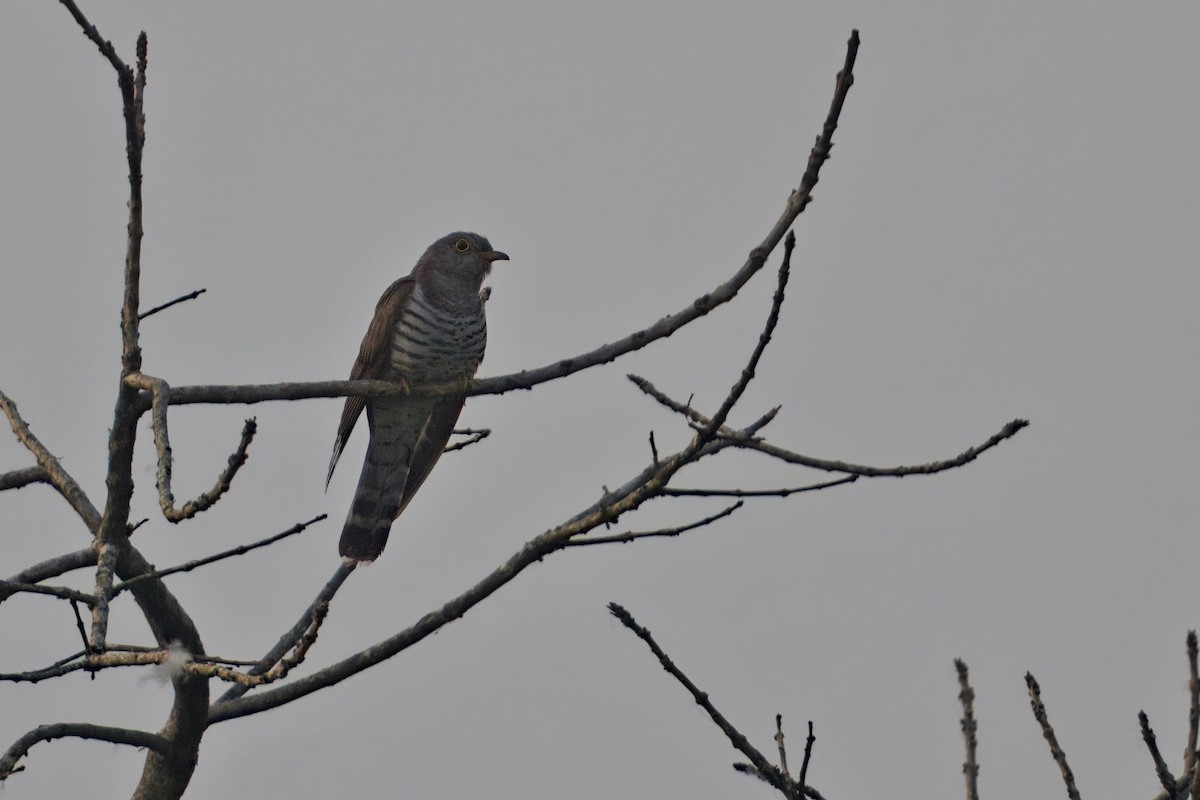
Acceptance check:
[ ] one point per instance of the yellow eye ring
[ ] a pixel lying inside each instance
(462, 245)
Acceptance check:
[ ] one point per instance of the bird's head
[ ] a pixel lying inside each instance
(458, 262)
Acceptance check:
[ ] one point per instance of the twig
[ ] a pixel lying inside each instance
(812, 487)
(82, 730)
(1056, 752)
(58, 477)
(808, 746)
(234, 551)
(629, 536)
(277, 671)
(473, 435)
(765, 769)
(64, 592)
(764, 338)
(51, 568)
(292, 637)
(779, 743)
(79, 624)
(1165, 778)
(160, 392)
(18, 478)
(176, 301)
(1189, 756)
(966, 696)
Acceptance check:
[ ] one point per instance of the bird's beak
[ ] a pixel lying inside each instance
(494, 255)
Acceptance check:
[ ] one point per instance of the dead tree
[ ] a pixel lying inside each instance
(258, 684)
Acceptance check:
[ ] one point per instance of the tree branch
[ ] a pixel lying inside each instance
(160, 392)
(630, 536)
(1165, 778)
(966, 696)
(58, 477)
(764, 769)
(18, 478)
(1056, 752)
(200, 562)
(176, 301)
(81, 730)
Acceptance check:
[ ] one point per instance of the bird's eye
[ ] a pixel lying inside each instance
(462, 245)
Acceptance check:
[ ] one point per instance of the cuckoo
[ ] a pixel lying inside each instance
(428, 328)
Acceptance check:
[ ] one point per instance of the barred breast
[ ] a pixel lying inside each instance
(432, 344)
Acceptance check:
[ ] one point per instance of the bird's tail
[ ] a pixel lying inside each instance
(377, 498)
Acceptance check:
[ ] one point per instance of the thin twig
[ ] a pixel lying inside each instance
(292, 637)
(234, 551)
(779, 743)
(1056, 752)
(64, 592)
(176, 301)
(473, 435)
(630, 536)
(79, 624)
(808, 746)
(1165, 778)
(1189, 756)
(966, 696)
(812, 487)
(765, 768)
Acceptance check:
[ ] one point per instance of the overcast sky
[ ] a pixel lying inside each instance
(1008, 228)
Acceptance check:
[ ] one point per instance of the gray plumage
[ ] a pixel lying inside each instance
(428, 328)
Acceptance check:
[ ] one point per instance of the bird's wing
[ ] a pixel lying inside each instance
(431, 443)
(373, 362)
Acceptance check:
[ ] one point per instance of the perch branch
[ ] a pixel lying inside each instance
(51, 568)
(669, 492)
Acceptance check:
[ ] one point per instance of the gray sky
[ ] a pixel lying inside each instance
(1007, 229)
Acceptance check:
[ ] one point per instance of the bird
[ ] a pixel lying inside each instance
(429, 328)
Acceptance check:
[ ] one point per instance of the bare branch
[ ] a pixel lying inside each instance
(1056, 752)
(176, 301)
(280, 669)
(1189, 756)
(50, 568)
(473, 435)
(63, 592)
(200, 562)
(763, 768)
(808, 746)
(629, 536)
(81, 730)
(1165, 778)
(58, 477)
(764, 338)
(783, 765)
(23, 477)
(292, 637)
(160, 392)
(812, 487)
(966, 696)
